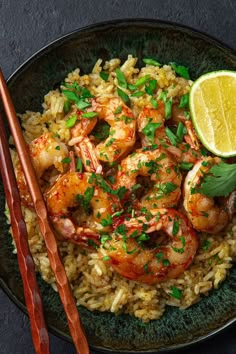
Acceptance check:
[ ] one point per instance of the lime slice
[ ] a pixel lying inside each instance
(212, 103)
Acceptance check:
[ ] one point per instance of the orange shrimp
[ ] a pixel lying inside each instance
(151, 248)
(165, 178)
(78, 205)
(203, 212)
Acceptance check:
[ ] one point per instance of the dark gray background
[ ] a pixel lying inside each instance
(26, 26)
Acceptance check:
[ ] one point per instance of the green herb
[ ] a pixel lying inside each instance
(206, 245)
(180, 250)
(88, 194)
(138, 94)
(58, 147)
(91, 243)
(171, 136)
(165, 262)
(180, 132)
(66, 106)
(181, 70)
(118, 110)
(220, 182)
(145, 267)
(143, 237)
(154, 103)
(142, 81)
(150, 129)
(107, 221)
(123, 95)
(89, 115)
(88, 162)
(168, 104)
(117, 213)
(150, 61)
(104, 75)
(71, 121)
(131, 87)
(205, 163)
(81, 104)
(111, 179)
(175, 292)
(106, 258)
(79, 165)
(151, 87)
(120, 192)
(56, 135)
(186, 165)
(70, 95)
(66, 160)
(184, 101)
(85, 93)
(110, 142)
(175, 229)
(135, 187)
(105, 238)
(101, 131)
(121, 78)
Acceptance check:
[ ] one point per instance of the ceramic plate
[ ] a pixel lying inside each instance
(46, 70)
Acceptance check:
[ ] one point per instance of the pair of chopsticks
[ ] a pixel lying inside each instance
(26, 265)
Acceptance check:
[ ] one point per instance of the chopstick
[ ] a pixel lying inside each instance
(26, 264)
(66, 296)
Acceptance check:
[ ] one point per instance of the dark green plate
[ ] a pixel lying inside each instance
(45, 70)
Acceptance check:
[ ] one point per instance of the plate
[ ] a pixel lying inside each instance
(45, 70)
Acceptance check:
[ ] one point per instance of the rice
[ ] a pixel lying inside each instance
(94, 283)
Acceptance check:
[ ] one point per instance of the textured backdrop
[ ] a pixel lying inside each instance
(26, 26)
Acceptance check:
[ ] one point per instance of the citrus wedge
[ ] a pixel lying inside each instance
(212, 103)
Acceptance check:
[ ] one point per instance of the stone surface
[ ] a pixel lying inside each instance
(25, 27)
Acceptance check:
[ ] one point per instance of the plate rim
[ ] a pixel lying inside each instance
(59, 40)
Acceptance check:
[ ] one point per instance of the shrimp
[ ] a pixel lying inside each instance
(136, 249)
(45, 151)
(79, 208)
(203, 212)
(164, 177)
(182, 152)
(83, 146)
(121, 135)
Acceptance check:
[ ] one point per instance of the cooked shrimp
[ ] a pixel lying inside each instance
(203, 212)
(164, 177)
(80, 208)
(83, 146)
(136, 252)
(45, 151)
(182, 152)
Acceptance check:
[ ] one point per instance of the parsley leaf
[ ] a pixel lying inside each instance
(181, 70)
(150, 129)
(221, 182)
(121, 78)
(175, 292)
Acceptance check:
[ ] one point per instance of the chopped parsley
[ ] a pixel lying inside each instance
(123, 96)
(181, 70)
(121, 78)
(89, 115)
(150, 129)
(104, 75)
(206, 245)
(107, 221)
(79, 165)
(66, 160)
(184, 101)
(150, 61)
(71, 121)
(180, 250)
(57, 147)
(175, 292)
(175, 229)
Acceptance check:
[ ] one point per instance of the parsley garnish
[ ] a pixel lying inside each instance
(142, 80)
(121, 78)
(150, 130)
(107, 221)
(104, 75)
(221, 182)
(150, 61)
(79, 165)
(206, 245)
(89, 115)
(184, 102)
(71, 121)
(186, 165)
(123, 95)
(175, 292)
(66, 160)
(58, 147)
(180, 250)
(181, 70)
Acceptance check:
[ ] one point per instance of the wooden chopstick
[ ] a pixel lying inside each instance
(26, 264)
(67, 298)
